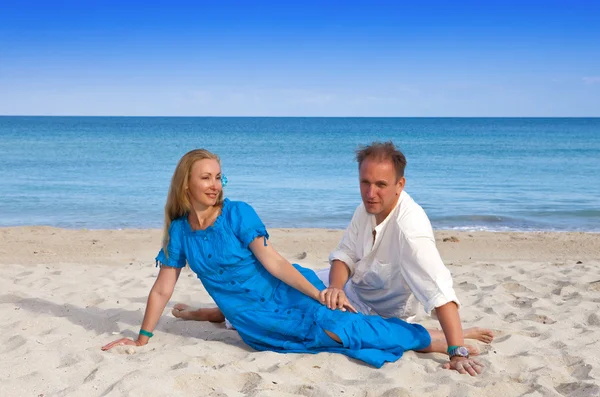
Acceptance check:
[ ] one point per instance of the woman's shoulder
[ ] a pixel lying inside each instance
(239, 212)
(178, 223)
(236, 206)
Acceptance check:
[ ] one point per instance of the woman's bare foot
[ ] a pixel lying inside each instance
(481, 334)
(185, 312)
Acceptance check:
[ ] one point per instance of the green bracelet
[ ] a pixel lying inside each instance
(450, 348)
(146, 333)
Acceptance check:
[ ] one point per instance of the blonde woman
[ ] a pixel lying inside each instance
(273, 304)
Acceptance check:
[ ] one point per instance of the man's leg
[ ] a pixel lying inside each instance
(439, 344)
(438, 339)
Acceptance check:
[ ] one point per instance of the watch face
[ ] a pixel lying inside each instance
(462, 351)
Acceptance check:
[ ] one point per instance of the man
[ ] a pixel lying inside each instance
(387, 261)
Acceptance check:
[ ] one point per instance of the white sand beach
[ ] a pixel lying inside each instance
(65, 293)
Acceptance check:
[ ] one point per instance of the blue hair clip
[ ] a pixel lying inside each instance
(223, 180)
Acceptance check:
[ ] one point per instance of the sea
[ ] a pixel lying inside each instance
(496, 174)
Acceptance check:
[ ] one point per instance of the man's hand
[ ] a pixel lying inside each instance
(465, 365)
(335, 298)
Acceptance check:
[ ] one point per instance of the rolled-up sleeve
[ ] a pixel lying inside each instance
(424, 271)
(346, 250)
(176, 255)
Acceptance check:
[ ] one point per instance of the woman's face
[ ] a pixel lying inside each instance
(204, 184)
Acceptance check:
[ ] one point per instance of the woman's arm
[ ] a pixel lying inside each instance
(157, 300)
(282, 269)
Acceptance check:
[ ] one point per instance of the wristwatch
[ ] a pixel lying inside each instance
(460, 351)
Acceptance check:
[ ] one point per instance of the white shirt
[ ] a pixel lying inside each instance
(402, 263)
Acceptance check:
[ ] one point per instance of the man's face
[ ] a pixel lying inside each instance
(379, 188)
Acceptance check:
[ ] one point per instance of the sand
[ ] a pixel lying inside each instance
(65, 293)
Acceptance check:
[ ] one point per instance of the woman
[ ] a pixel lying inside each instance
(273, 304)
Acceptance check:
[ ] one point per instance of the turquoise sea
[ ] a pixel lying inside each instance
(468, 173)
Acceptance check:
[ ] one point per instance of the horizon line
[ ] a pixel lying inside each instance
(312, 117)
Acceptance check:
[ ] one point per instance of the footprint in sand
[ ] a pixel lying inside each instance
(594, 286)
(515, 287)
(91, 376)
(310, 390)
(578, 389)
(511, 317)
(559, 345)
(593, 319)
(179, 365)
(251, 381)
(541, 318)
(465, 286)
(531, 334)
(580, 371)
(502, 339)
(68, 361)
(14, 343)
(523, 302)
(10, 298)
(396, 392)
(557, 290)
(489, 310)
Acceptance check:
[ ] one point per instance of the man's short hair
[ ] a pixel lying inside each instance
(383, 151)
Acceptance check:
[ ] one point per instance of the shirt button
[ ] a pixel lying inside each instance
(209, 255)
(205, 238)
(262, 299)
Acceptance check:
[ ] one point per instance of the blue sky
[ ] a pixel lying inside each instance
(309, 58)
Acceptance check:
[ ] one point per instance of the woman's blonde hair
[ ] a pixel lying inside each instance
(178, 203)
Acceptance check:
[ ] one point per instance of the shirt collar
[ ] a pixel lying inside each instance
(391, 215)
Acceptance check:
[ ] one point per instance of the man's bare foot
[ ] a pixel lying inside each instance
(185, 312)
(481, 334)
(473, 350)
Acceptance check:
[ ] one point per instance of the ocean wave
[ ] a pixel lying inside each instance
(579, 220)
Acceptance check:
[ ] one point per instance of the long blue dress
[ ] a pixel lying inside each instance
(267, 313)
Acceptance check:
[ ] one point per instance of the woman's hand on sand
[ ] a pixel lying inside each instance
(465, 366)
(122, 342)
(335, 298)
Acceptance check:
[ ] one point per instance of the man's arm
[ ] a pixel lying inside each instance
(334, 296)
(450, 321)
(338, 274)
(427, 276)
(431, 283)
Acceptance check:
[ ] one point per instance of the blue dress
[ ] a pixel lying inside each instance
(267, 313)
